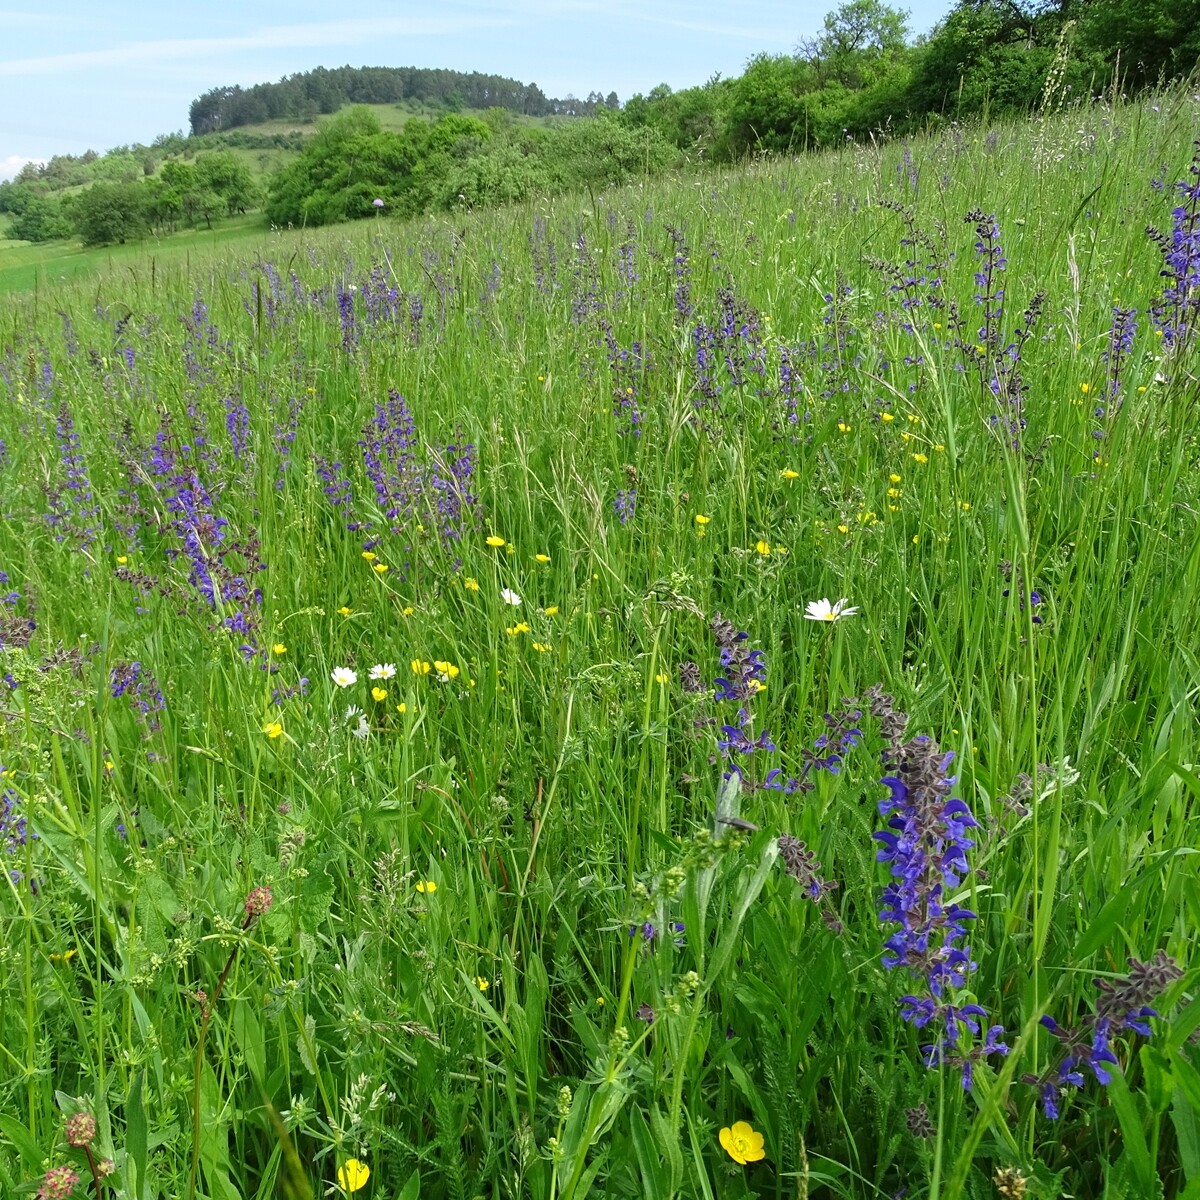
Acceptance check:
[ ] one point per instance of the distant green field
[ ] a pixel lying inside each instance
(25, 267)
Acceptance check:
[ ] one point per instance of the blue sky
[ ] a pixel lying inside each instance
(76, 75)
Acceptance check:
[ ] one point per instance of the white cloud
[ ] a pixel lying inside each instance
(324, 33)
(13, 163)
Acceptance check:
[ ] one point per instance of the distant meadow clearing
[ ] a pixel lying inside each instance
(689, 692)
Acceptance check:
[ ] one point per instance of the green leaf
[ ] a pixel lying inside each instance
(307, 1043)
(1156, 1071)
(249, 1036)
(1136, 1158)
(23, 1140)
(1187, 1132)
(412, 1189)
(731, 932)
(670, 1147)
(136, 1148)
(655, 1173)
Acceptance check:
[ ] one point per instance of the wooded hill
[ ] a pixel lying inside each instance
(308, 94)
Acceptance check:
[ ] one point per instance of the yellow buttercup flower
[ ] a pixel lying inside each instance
(426, 887)
(887, 416)
(353, 1175)
(893, 478)
(662, 677)
(788, 473)
(764, 548)
(419, 667)
(742, 1143)
(552, 611)
(542, 558)
(402, 708)
(481, 983)
(843, 427)
(380, 567)
(378, 694)
(921, 458)
(701, 519)
(122, 559)
(273, 729)
(345, 610)
(495, 541)
(369, 555)
(472, 585)
(278, 648)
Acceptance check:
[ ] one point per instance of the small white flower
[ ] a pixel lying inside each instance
(352, 712)
(510, 597)
(822, 610)
(362, 729)
(343, 676)
(383, 671)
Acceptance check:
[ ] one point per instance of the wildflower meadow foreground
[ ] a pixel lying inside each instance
(689, 692)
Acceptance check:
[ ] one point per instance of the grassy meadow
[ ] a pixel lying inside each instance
(29, 267)
(420, 774)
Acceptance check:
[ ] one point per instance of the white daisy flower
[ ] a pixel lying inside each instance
(510, 597)
(822, 610)
(343, 676)
(383, 671)
(362, 729)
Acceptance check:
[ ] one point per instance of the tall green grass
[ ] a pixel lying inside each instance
(451, 984)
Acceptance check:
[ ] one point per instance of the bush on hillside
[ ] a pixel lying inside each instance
(40, 220)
